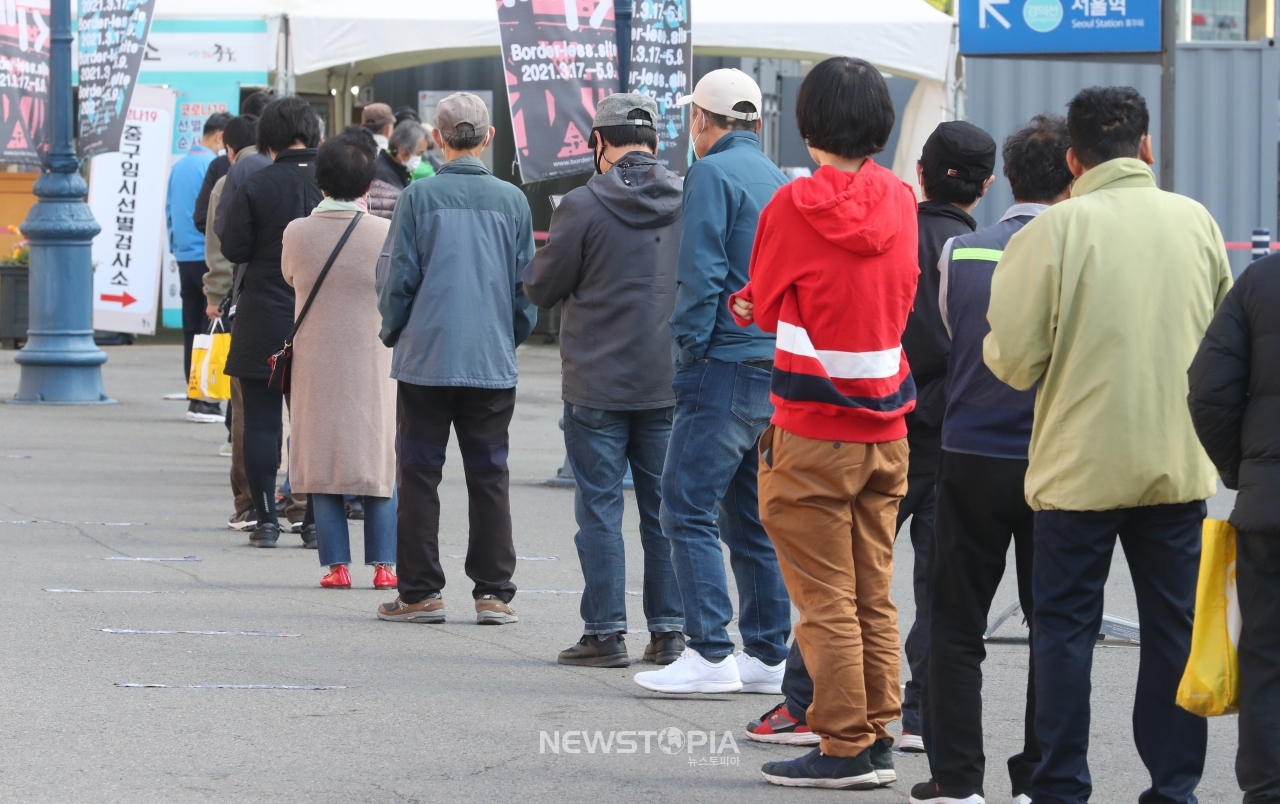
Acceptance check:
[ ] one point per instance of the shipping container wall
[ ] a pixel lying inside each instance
(1228, 122)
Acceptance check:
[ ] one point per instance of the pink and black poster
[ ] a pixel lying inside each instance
(24, 81)
(561, 59)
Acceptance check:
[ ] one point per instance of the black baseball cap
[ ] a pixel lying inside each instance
(961, 150)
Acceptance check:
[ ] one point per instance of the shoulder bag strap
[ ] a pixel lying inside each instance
(323, 273)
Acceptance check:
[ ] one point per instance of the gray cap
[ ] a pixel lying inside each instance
(613, 110)
(464, 111)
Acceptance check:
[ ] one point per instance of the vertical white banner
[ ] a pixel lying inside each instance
(127, 194)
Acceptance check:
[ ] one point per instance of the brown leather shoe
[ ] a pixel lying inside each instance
(430, 610)
(492, 611)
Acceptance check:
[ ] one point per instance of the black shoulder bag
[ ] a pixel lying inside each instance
(281, 362)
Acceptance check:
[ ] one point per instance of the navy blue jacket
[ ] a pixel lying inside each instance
(724, 192)
(983, 415)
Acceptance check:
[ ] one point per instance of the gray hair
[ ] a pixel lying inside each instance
(405, 137)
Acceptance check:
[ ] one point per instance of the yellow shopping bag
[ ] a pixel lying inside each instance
(1211, 684)
(208, 359)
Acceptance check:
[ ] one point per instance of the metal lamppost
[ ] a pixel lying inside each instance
(622, 13)
(61, 365)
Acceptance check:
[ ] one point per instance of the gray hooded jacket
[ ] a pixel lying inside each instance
(611, 258)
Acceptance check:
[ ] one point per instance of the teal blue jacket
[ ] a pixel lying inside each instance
(724, 192)
(449, 280)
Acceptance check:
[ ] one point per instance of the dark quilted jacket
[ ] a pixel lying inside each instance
(1235, 396)
(382, 198)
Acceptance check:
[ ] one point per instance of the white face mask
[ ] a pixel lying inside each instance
(413, 163)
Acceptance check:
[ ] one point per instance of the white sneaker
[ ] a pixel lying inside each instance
(1021, 798)
(692, 673)
(225, 450)
(911, 743)
(759, 677)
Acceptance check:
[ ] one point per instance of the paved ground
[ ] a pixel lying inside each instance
(422, 713)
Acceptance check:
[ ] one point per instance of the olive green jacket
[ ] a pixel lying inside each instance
(218, 279)
(1103, 300)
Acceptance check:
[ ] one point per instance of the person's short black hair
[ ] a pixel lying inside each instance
(1035, 159)
(1107, 123)
(286, 122)
(732, 123)
(407, 113)
(464, 138)
(215, 122)
(255, 103)
(345, 164)
(949, 189)
(844, 108)
(619, 136)
(241, 132)
(405, 137)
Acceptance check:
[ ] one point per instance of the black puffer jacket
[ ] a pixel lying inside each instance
(264, 205)
(1235, 396)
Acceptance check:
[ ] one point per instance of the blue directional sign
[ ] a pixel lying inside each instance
(1012, 27)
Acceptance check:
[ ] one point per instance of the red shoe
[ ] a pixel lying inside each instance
(384, 578)
(778, 726)
(338, 579)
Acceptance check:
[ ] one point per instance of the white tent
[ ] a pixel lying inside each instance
(315, 38)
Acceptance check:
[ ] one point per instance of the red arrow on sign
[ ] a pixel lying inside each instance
(124, 298)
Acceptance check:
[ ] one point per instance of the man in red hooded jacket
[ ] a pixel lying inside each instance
(834, 274)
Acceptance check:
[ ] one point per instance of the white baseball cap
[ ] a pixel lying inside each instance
(720, 90)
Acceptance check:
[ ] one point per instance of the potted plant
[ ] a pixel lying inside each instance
(14, 268)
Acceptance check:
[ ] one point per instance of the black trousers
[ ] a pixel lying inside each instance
(981, 507)
(481, 417)
(919, 504)
(1073, 558)
(261, 441)
(1258, 587)
(194, 321)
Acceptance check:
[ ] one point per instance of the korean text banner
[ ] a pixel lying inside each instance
(561, 59)
(126, 194)
(24, 81)
(113, 38)
(661, 65)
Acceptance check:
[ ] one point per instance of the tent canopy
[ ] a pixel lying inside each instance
(904, 37)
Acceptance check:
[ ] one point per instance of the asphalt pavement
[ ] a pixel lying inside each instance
(407, 713)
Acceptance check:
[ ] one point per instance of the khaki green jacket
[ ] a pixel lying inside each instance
(1103, 300)
(217, 280)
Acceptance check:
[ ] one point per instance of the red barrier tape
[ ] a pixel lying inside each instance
(1249, 247)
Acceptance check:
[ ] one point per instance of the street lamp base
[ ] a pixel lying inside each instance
(61, 385)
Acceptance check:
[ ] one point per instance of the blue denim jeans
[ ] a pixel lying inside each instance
(600, 444)
(335, 539)
(709, 497)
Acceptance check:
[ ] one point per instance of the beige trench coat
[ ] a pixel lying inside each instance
(343, 405)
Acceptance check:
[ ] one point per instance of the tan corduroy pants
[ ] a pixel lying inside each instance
(831, 510)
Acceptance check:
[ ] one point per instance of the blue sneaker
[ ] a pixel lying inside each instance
(815, 769)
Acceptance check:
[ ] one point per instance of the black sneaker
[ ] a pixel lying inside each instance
(931, 792)
(815, 769)
(204, 412)
(309, 539)
(664, 647)
(355, 509)
(265, 534)
(882, 760)
(597, 651)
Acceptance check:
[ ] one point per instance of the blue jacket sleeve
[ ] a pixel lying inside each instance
(525, 313)
(709, 201)
(404, 273)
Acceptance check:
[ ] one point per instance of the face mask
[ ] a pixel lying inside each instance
(413, 163)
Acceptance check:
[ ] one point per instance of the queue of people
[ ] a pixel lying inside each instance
(790, 370)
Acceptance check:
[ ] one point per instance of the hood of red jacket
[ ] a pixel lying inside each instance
(862, 212)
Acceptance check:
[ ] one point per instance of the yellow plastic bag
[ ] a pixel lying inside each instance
(1211, 684)
(208, 359)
